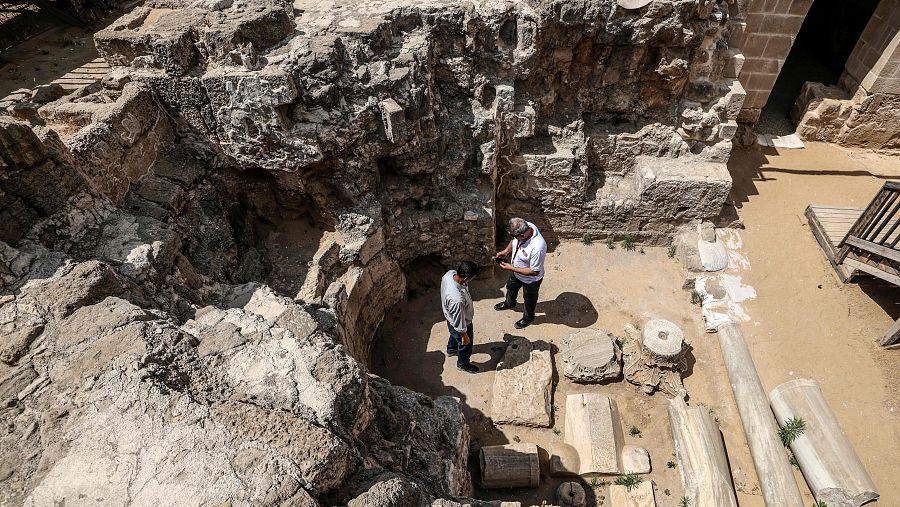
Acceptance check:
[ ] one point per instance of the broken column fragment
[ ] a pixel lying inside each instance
(635, 460)
(571, 494)
(591, 355)
(593, 428)
(510, 466)
(655, 358)
(522, 385)
(776, 479)
(705, 475)
(830, 465)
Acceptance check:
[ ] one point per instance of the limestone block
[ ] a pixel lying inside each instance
(734, 64)
(639, 496)
(683, 187)
(591, 355)
(635, 460)
(728, 129)
(557, 165)
(571, 494)
(734, 99)
(393, 120)
(523, 385)
(521, 122)
(564, 460)
(593, 428)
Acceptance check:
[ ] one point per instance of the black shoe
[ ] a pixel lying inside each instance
(468, 368)
(451, 353)
(503, 305)
(523, 323)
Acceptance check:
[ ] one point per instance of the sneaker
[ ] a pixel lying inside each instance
(468, 368)
(503, 306)
(451, 353)
(523, 323)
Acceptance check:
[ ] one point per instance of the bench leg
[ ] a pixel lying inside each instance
(892, 335)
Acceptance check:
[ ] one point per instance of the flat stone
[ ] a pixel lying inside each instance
(522, 385)
(594, 430)
(635, 460)
(633, 4)
(639, 496)
(591, 355)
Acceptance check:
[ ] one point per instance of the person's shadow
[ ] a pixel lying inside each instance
(569, 309)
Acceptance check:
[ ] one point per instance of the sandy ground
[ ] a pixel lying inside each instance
(586, 286)
(803, 323)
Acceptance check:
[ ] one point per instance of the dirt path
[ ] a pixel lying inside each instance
(805, 323)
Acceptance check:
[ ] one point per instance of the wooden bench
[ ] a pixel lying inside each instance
(863, 240)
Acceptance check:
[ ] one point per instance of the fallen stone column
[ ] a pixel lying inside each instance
(776, 480)
(702, 461)
(510, 466)
(594, 430)
(828, 462)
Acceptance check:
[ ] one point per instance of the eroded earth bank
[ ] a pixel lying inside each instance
(196, 252)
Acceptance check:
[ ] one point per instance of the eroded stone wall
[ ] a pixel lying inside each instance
(238, 199)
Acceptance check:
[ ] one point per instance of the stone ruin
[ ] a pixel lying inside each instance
(197, 250)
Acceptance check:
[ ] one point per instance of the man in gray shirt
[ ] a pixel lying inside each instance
(459, 312)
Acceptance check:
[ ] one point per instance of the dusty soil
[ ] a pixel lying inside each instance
(803, 323)
(586, 286)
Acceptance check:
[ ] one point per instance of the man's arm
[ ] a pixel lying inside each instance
(459, 320)
(527, 271)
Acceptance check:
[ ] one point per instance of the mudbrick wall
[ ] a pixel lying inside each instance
(196, 251)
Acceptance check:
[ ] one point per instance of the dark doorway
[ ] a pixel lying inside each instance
(825, 41)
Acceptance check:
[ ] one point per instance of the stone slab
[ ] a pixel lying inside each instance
(639, 496)
(593, 428)
(523, 385)
(635, 460)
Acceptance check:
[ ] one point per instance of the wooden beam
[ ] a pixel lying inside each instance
(891, 336)
(875, 248)
(863, 222)
(860, 266)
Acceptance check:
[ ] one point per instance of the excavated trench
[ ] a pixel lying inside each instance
(247, 201)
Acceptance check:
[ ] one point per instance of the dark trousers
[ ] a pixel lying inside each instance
(454, 344)
(530, 294)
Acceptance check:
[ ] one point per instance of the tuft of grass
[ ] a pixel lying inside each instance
(670, 464)
(586, 239)
(634, 431)
(556, 431)
(696, 297)
(620, 342)
(671, 251)
(516, 439)
(667, 492)
(820, 503)
(628, 243)
(793, 461)
(630, 481)
(792, 429)
(595, 483)
(641, 251)
(685, 502)
(610, 242)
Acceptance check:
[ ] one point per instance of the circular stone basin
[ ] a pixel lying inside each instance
(663, 337)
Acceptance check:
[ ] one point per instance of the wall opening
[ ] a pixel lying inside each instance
(823, 44)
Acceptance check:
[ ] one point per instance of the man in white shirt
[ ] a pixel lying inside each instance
(456, 302)
(528, 251)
